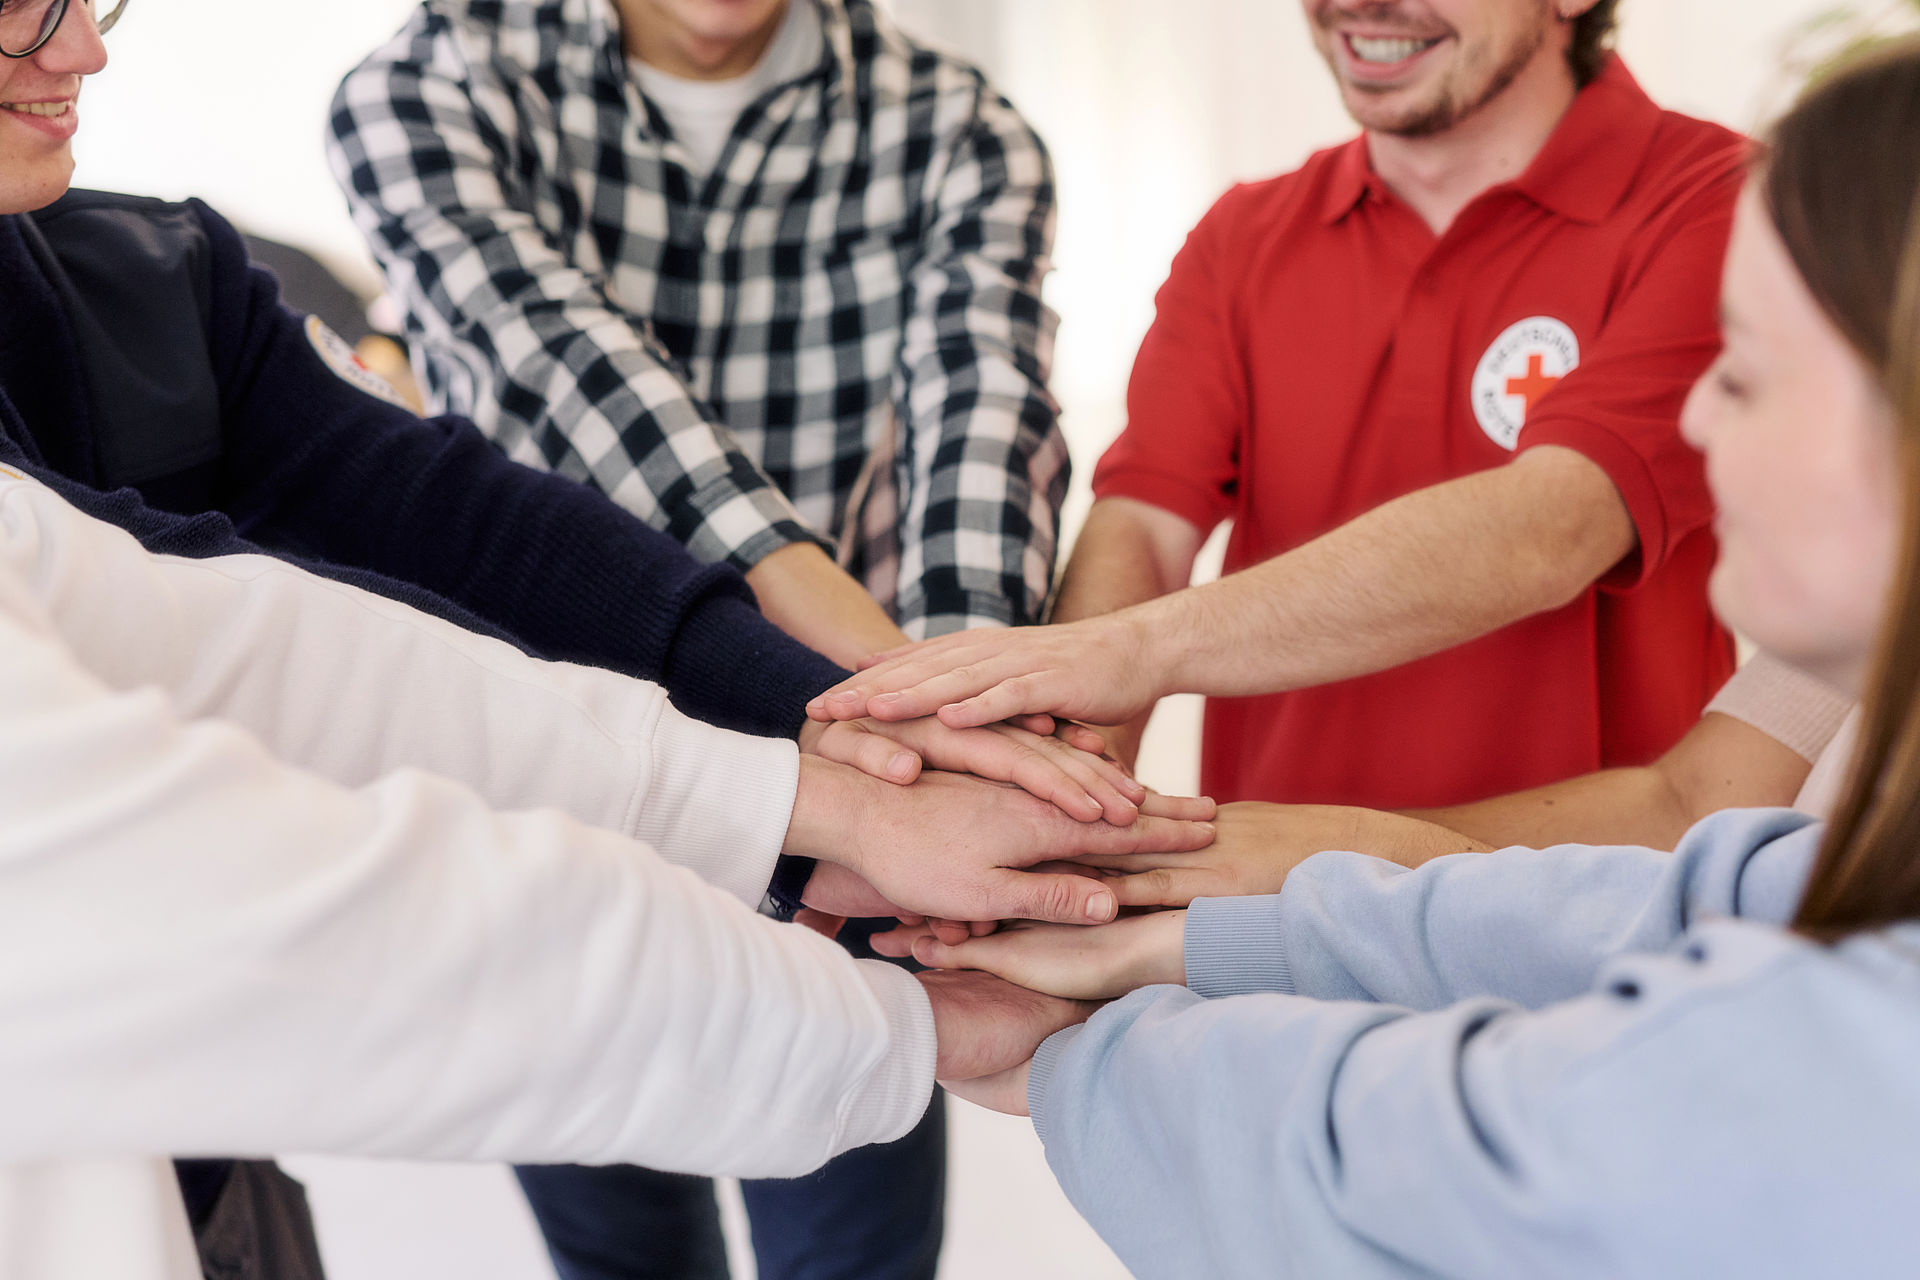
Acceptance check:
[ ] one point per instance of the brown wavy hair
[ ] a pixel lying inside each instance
(1841, 183)
(1592, 40)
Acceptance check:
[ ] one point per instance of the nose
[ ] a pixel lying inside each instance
(76, 48)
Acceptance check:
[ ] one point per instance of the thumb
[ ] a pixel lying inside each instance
(1058, 899)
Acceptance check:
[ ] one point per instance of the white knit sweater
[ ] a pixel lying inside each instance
(250, 901)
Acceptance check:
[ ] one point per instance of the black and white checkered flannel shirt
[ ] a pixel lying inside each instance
(839, 332)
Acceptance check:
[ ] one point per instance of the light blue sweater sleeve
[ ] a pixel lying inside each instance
(1745, 1104)
(1527, 925)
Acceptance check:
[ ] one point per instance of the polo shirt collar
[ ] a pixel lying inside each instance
(1582, 173)
(1588, 165)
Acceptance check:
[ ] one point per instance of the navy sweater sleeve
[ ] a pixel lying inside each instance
(209, 533)
(317, 466)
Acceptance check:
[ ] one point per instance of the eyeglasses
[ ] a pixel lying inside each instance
(25, 25)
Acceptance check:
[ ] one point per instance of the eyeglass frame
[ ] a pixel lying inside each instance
(53, 27)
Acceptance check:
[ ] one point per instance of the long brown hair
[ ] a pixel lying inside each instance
(1841, 182)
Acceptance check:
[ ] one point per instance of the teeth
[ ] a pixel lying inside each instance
(38, 108)
(1385, 51)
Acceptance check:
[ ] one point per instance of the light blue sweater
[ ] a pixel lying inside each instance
(1564, 1063)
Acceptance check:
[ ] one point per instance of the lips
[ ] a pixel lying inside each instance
(48, 110)
(1384, 51)
(57, 119)
(1383, 58)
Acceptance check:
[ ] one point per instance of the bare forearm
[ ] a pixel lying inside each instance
(1721, 763)
(1420, 574)
(1614, 806)
(813, 600)
(1410, 840)
(1127, 553)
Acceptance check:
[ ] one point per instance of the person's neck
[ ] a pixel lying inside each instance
(1438, 176)
(666, 45)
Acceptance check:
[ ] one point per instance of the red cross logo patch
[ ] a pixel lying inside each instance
(1524, 363)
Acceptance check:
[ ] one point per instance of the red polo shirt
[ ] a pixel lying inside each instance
(1318, 351)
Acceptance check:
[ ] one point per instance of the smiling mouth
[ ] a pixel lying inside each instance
(48, 110)
(1386, 51)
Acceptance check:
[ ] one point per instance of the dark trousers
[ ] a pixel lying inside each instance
(872, 1214)
(250, 1220)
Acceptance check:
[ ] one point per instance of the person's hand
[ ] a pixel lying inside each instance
(1083, 784)
(956, 848)
(1102, 963)
(1100, 670)
(1004, 1091)
(1258, 844)
(984, 1026)
(836, 891)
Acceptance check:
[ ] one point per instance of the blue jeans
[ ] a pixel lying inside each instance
(872, 1214)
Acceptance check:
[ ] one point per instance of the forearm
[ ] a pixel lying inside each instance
(813, 600)
(448, 983)
(314, 462)
(354, 686)
(1422, 573)
(1524, 925)
(1273, 1136)
(1408, 840)
(1721, 763)
(983, 465)
(1128, 553)
(535, 349)
(1615, 806)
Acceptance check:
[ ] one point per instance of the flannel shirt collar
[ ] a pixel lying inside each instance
(1582, 174)
(835, 27)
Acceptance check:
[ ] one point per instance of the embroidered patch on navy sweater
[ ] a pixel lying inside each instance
(347, 365)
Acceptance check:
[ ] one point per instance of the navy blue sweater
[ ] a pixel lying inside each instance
(311, 467)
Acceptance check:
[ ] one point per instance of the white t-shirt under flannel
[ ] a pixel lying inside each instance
(701, 114)
(838, 332)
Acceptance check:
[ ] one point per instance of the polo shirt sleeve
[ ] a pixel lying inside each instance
(1187, 403)
(1621, 407)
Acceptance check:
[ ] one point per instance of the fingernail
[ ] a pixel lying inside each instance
(1100, 908)
(886, 697)
(901, 766)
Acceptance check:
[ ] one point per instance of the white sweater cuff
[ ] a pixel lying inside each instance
(717, 802)
(893, 1097)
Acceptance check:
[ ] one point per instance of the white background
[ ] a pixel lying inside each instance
(1151, 108)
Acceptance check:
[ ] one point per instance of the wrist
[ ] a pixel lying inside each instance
(1150, 632)
(831, 807)
(1161, 960)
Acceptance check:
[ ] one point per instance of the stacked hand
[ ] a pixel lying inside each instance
(1101, 670)
(1060, 856)
(1255, 848)
(960, 848)
(1064, 767)
(988, 1031)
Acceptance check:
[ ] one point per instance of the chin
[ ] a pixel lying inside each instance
(1410, 111)
(1791, 628)
(728, 19)
(36, 188)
